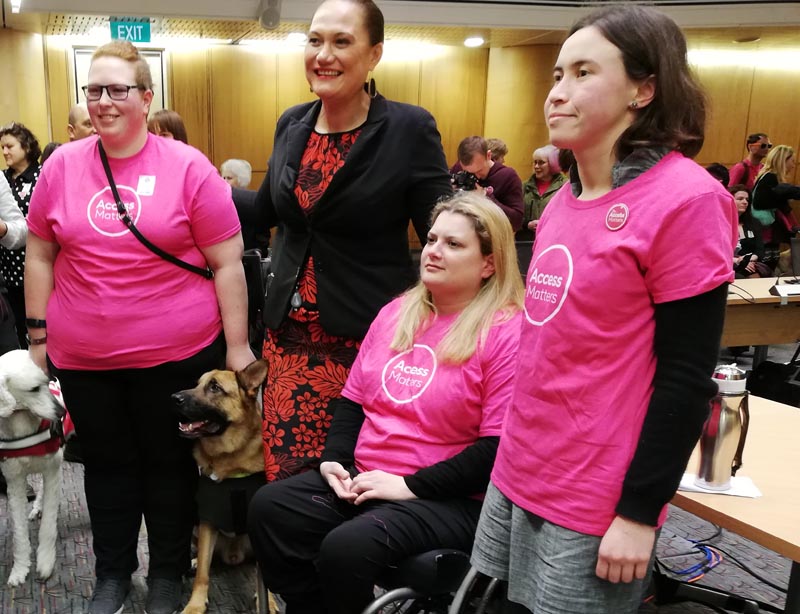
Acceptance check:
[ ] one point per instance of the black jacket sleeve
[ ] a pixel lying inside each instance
(687, 338)
(340, 446)
(466, 473)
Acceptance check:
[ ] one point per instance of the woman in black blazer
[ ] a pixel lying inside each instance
(347, 174)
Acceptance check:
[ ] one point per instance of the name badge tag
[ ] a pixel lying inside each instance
(147, 185)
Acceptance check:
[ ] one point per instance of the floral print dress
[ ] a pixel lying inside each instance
(307, 367)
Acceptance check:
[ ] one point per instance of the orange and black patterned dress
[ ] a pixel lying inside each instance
(307, 366)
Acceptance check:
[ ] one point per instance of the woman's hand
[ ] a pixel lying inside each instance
(625, 551)
(533, 224)
(380, 485)
(751, 267)
(338, 478)
(238, 357)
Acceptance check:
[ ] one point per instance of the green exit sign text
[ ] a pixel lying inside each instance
(133, 31)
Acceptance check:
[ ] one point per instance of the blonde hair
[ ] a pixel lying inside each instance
(125, 50)
(776, 163)
(498, 299)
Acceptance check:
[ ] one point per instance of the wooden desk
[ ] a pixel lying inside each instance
(771, 458)
(755, 317)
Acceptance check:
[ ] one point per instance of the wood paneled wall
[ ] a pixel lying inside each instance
(23, 86)
(231, 96)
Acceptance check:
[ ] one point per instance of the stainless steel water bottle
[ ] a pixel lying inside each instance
(725, 430)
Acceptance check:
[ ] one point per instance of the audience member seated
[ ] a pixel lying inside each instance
(498, 149)
(545, 181)
(414, 434)
(720, 173)
(748, 258)
(498, 182)
(237, 173)
(168, 124)
(771, 197)
(48, 150)
(746, 171)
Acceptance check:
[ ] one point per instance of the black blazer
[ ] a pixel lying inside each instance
(358, 231)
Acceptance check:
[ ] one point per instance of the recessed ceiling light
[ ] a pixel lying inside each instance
(296, 38)
(747, 39)
(474, 41)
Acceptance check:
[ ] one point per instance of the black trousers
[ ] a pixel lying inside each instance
(16, 300)
(135, 463)
(324, 555)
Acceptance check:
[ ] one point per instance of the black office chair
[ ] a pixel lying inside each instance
(423, 583)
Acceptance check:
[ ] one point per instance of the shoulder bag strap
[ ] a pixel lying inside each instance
(126, 219)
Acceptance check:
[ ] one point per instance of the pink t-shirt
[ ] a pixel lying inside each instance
(419, 411)
(116, 304)
(586, 349)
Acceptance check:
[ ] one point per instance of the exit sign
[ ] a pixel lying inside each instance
(133, 31)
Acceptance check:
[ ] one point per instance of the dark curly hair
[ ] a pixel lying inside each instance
(26, 139)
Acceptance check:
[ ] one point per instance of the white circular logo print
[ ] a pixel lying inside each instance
(406, 375)
(617, 216)
(549, 278)
(103, 214)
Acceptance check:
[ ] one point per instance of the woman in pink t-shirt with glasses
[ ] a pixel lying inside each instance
(414, 436)
(624, 307)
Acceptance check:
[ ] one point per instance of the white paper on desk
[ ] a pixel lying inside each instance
(740, 487)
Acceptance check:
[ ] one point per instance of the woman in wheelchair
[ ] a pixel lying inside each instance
(414, 437)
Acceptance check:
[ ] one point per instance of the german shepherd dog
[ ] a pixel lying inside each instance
(223, 413)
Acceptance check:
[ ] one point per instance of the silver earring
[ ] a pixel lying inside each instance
(634, 105)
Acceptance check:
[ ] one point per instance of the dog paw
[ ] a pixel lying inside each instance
(44, 566)
(18, 575)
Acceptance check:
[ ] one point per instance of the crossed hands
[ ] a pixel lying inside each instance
(365, 486)
(625, 551)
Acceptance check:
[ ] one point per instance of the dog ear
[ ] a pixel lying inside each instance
(7, 401)
(251, 377)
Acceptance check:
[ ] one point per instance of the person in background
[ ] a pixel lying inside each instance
(347, 174)
(406, 464)
(168, 124)
(21, 152)
(123, 328)
(79, 124)
(719, 172)
(13, 232)
(237, 173)
(545, 181)
(499, 150)
(748, 260)
(746, 171)
(620, 336)
(48, 151)
(499, 183)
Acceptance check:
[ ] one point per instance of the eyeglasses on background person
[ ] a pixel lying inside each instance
(765, 145)
(116, 91)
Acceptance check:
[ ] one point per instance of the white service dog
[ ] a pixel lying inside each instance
(29, 444)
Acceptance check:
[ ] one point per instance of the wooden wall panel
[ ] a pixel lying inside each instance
(775, 108)
(243, 102)
(292, 85)
(189, 87)
(60, 91)
(518, 81)
(23, 94)
(728, 89)
(453, 89)
(398, 80)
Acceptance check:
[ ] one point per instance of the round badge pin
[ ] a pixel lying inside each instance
(617, 216)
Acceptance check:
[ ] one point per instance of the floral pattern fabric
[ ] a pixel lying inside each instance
(307, 367)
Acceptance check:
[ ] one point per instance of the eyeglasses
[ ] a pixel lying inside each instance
(764, 145)
(115, 91)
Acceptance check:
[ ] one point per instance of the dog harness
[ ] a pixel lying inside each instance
(48, 438)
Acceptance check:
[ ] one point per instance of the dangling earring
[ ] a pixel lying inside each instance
(634, 104)
(370, 89)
